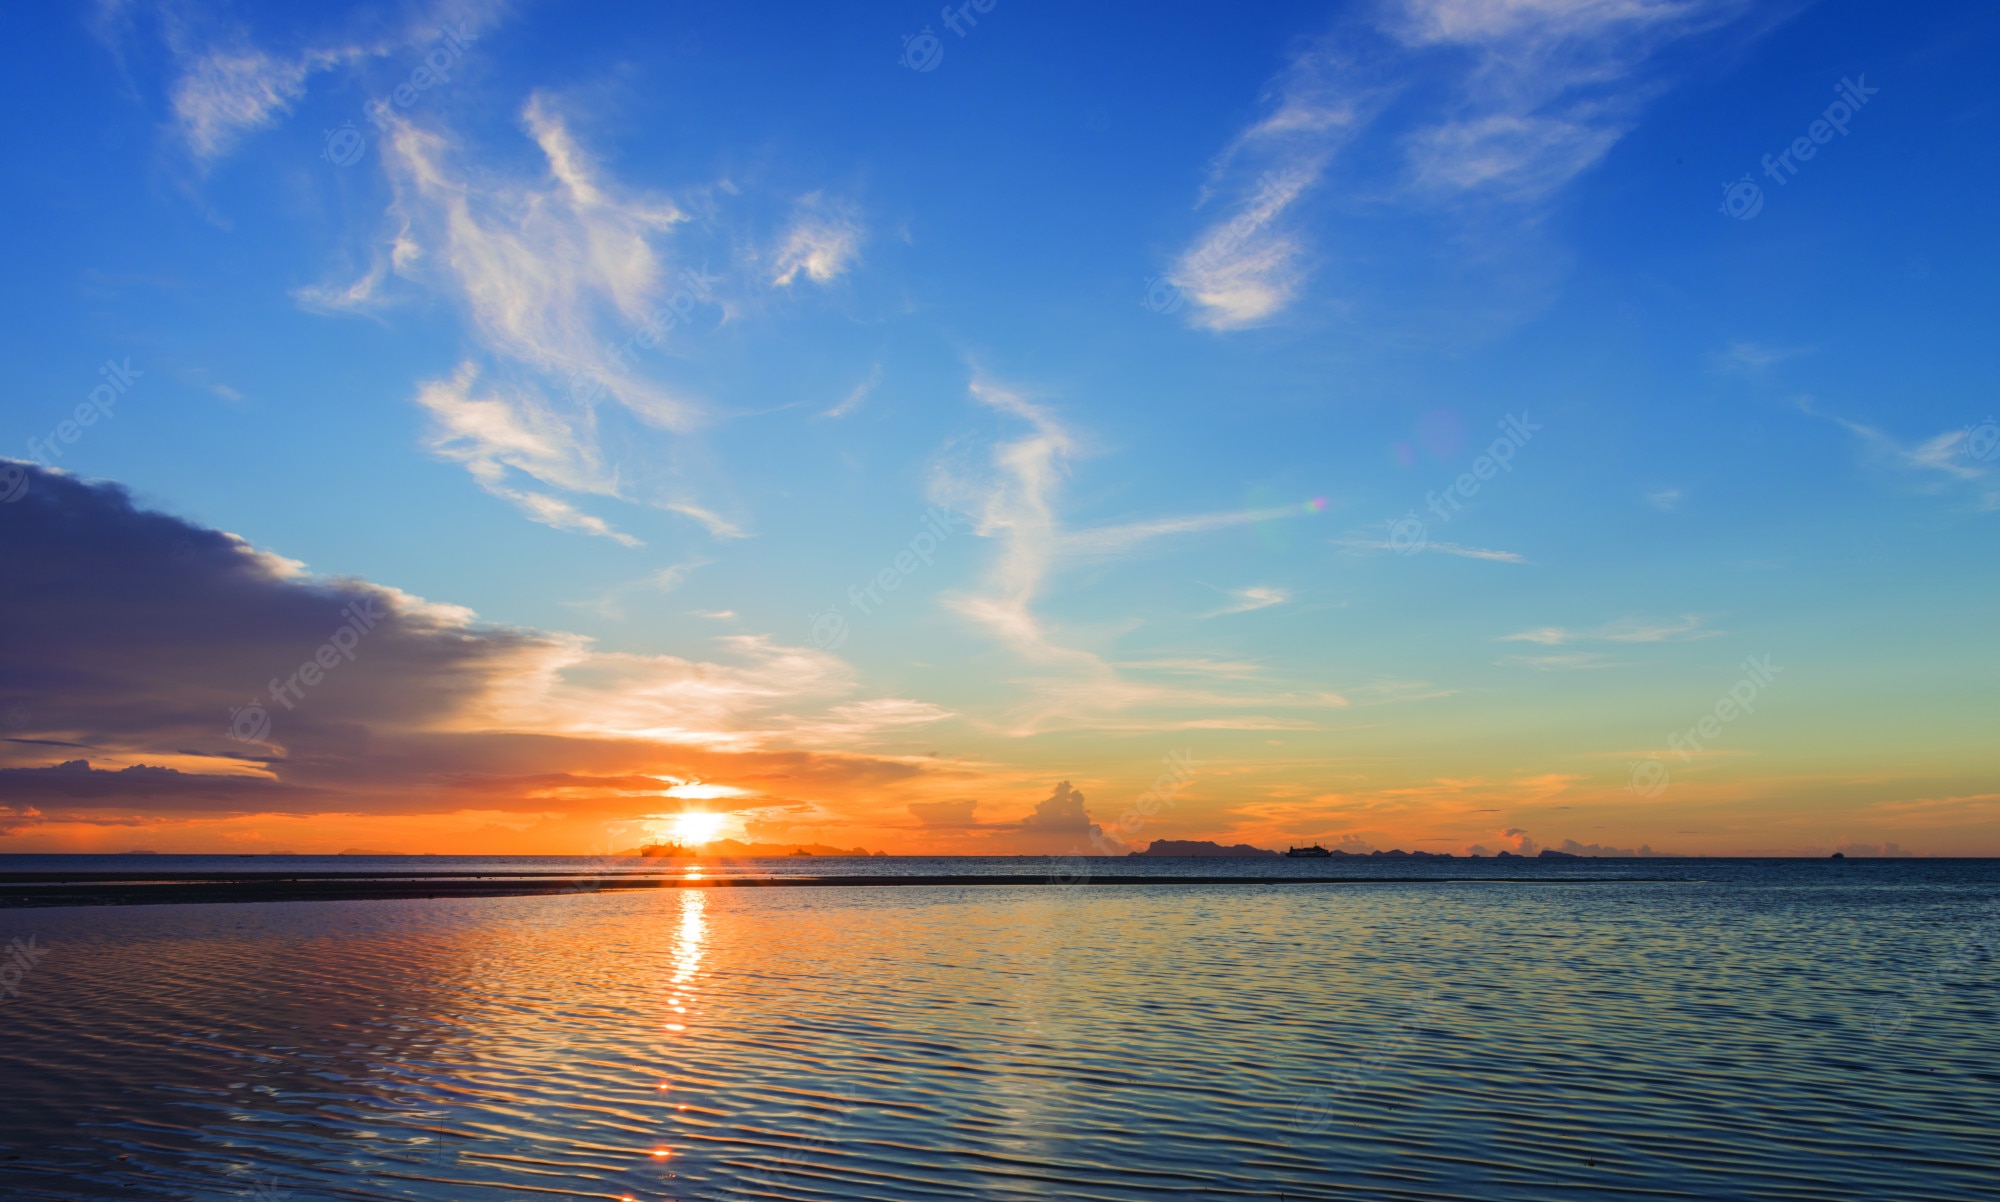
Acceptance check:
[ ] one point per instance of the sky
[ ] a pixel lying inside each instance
(1001, 430)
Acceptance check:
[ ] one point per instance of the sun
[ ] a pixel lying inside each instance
(697, 826)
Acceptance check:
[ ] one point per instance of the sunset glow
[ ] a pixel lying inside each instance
(1331, 599)
(696, 827)
(1072, 489)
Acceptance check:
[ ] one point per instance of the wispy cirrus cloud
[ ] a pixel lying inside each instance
(1245, 268)
(1249, 600)
(822, 242)
(1465, 552)
(1111, 540)
(1428, 545)
(494, 431)
(1560, 663)
(567, 279)
(224, 94)
(1472, 102)
(858, 394)
(1751, 359)
(564, 279)
(1017, 505)
(612, 602)
(1966, 460)
(1626, 630)
(226, 86)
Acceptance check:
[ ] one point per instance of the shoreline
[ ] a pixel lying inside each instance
(53, 890)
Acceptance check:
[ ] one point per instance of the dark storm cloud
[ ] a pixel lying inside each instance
(123, 623)
(131, 638)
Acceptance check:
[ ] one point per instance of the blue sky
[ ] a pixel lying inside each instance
(1192, 313)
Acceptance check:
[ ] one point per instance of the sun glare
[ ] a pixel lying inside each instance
(696, 827)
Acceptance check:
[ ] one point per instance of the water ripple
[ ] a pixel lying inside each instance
(1719, 1039)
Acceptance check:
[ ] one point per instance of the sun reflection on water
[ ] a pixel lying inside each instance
(688, 948)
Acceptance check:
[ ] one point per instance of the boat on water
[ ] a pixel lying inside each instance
(1315, 852)
(654, 850)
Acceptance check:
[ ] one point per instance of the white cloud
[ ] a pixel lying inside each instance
(1516, 157)
(1967, 459)
(223, 95)
(1552, 663)
(1198, 666)
(554, 274)
(661, 581)
(858, 394)
(565, 281)
(1495, 101)
(1666, 500)
(714, 523)
(1428, 545)
(226, 87)
(744, 700)
(1465, 552)
(855, 722)
(1073, 687)
(1751, 359)
(1251, 599)
(492, 433)
(1111, 540)
(1626, 630)
(1241, 272)
(823, 242)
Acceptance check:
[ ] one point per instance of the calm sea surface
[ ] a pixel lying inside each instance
(1769, 1030)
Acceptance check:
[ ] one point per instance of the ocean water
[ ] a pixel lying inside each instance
(1765, 1030)
(55, 866)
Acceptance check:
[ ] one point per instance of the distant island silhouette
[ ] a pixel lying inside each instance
(1204, 847)
(737, 849)
(1189, 848)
